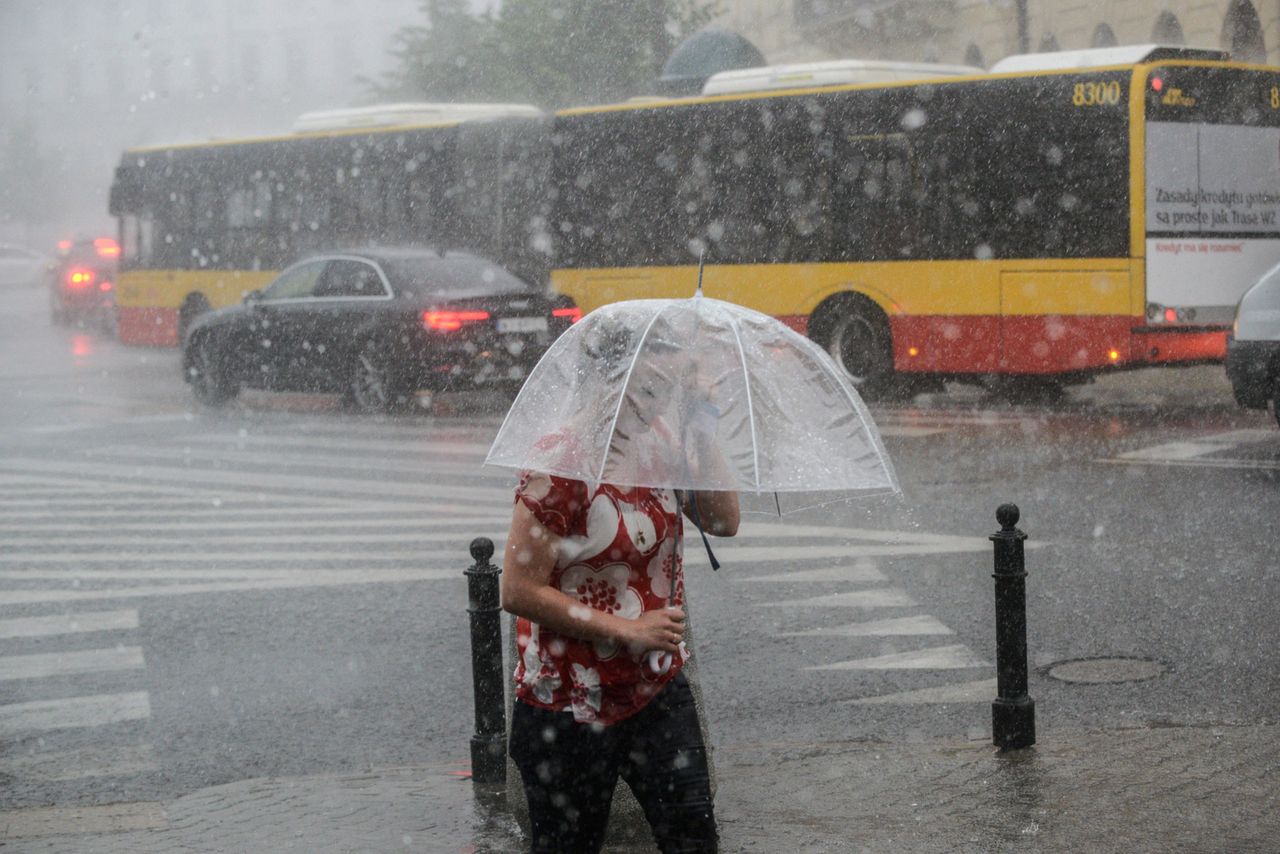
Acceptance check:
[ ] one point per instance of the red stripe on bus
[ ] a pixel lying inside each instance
(1020, 344)
(1158, 348)
(148, 327)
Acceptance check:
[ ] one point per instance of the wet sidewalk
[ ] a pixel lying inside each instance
(1166, 789)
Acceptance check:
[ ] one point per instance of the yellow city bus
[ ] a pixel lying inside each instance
(1032, 222)
(202, 224)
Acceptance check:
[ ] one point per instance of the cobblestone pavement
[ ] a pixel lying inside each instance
(1169, 789)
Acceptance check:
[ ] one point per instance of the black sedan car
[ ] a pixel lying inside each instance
(377, 326)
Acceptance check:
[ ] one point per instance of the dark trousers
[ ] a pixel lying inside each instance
(570, 769)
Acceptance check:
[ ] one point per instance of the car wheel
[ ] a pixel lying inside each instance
(857, 337)
(374, 386)
(208, 381)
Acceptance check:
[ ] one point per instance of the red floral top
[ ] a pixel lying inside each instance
(619, 553)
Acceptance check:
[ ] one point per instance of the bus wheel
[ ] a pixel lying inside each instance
(192, 307)
(208, 381)
(373, 387)
(857, 336)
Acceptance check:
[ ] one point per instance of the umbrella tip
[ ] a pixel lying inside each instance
(702, 256)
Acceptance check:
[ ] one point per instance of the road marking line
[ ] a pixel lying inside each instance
(1214, 463)
(95, 501)
(347, 487)
(452, 450)
(30, 597)
(954, 657)
(45, 664)
(73, 712)
(198, 462)
(32, 822)
(961, 692)
(857, 574)
(94, 761)
(412, 520)
(1197, 447)
(256, 510)
(358, 553)
(897, 626)
(65, 624)
(245, 573)
(764, 554)
(353, 540)
(891, 598)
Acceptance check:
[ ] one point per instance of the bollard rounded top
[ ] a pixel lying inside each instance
(481, 550)
(1007, 515)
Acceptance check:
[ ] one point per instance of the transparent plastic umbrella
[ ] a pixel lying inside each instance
(695, 394)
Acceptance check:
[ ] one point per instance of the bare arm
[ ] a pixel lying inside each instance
(527, 592)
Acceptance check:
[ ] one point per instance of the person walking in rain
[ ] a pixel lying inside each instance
(594, 573)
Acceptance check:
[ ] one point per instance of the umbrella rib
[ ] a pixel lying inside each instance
(751, 414)
(815, 352)
(626, 381)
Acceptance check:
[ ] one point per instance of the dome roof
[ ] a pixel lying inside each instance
(704, 53)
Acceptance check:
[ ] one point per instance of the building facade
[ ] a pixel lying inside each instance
(81, 80)
(980, 32)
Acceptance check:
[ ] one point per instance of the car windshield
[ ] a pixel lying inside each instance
(452, 274)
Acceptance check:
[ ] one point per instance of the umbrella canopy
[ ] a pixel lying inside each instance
(695, 394)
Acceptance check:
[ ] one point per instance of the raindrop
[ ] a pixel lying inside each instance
(914, 119)
(983, 252)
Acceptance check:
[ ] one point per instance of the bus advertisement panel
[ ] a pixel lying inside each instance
(1212, 194)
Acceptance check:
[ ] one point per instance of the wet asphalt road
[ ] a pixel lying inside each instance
(190, 597)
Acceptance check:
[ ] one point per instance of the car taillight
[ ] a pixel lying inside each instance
(574, 314)
(78, 278)
(104, 286)
(106, 247)
(451, 321)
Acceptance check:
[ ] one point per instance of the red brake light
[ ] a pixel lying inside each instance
(80, 277)
(106, 247)
(450, 321)
(1157, 84)
(574, 314)
(1170, 315)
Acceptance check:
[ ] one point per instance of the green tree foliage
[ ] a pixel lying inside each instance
(553, 53)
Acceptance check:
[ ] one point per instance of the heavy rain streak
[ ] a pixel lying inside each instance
(689, 425)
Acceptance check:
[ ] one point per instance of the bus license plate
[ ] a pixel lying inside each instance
(522, 324)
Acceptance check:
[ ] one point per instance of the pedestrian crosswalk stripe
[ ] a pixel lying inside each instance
(442, 450)
(954, 657)
(983, 691)
(77, 573)
(359, 553)
(253, 512)
(351, 539)
(97, 760)
(856, 574)
(270, 581)
(201, 461)
(94, 501)
(73, 712)
(333, 486)
(844, 551)
(408, 519)
(45, 664)
(65, 624)
(875, 598)
(922, 624)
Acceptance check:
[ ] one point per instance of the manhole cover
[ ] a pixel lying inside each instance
(1099, 671)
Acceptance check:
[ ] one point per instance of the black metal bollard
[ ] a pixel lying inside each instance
(489, 744)
(1013, 713)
